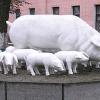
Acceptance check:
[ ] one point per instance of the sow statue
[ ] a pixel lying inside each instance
(63, 32)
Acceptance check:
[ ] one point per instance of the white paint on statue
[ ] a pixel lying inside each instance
(64, 32)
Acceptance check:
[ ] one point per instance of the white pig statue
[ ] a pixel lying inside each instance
(62, 32)
(9, 61)
(49, 60)
(72, 58)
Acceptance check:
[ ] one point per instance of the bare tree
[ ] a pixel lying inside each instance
(15, 4)
(7, 6)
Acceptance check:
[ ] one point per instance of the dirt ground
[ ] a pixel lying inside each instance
(84, 75)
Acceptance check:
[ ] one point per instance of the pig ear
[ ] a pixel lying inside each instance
(84, 53)
(96, 40)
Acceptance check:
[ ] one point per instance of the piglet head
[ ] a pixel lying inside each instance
(81, 57)
(59, 65)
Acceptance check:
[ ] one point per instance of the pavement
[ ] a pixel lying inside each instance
(83, 76)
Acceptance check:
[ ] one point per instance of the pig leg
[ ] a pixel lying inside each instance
(74, 67)
(5, 69)
(31, 70)
(69, 65)
(14, 69)
(47, 70)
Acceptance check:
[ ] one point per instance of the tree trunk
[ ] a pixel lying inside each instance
(4, 15)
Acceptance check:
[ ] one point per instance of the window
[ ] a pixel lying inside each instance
(55, 10)
(32, 11)
(17, 13)
(97, 24)
(76, 10)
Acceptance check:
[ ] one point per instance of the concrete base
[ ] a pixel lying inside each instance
(30, 91)
(84, 86)
(82, 92)
(2, 91)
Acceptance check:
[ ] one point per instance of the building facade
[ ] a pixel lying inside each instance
(88, 10)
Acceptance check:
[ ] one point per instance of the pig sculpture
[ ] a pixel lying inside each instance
(72, 58)
(49, 60)
(9, 61)
(62, 32)
(20, 53)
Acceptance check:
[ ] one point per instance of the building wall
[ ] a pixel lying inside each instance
(87, 8)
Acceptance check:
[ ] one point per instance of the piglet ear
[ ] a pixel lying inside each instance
(84, 53)
(96, 40)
